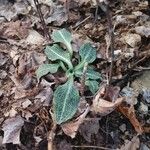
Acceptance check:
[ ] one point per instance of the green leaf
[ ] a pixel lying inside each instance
(90, 74)
(66, 99)
(63, 36)
(88, 55)
(45, 69)
(93, 85)
(55, 52)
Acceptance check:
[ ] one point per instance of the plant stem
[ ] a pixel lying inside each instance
(80, 65)
(83, 78)
(104, 6)
(45, 30)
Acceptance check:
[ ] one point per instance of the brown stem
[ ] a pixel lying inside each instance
(83, 79)
(45, 30)
(104, 6)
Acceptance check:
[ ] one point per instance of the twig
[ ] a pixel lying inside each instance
(45, 30)
(104, 6)
(78, 25)
(83, 79)
(96, 147)
(51, 137)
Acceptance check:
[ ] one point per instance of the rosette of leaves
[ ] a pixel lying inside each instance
(66, 96)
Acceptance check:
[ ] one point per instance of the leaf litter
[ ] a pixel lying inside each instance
(24, 98)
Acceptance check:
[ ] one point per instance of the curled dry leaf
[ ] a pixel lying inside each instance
(72, 127)
(106, 105)
(129, 112)
(12, 128)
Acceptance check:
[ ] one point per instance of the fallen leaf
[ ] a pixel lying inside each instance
(72, 127)
(45, 96)
(58, 16)
(3, 59)
(89, 128)
(104, 106)
(10, 11)
(34, 38)
(133, 39)
(129, 112)
(26, 103)
(14, 30)
(12, 128)
(134, 144)
(143, 31)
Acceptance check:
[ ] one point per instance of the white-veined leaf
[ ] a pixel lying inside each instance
(45, 69)
(90, 74)
(55, 52)
(87, 53)
(63, 36)
(93, 85)
(66, 99)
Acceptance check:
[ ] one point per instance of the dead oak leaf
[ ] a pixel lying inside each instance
(12, 128)
(106, 105)
(72, 127)
(129, 112)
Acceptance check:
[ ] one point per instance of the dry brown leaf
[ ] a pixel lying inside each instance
(89, 128)
(129, 112)
(134, 144)
(132, 39)
(106, 105)
(15, 30)
(12, 128)
(143, 31)
(34, 38)
(72, 127)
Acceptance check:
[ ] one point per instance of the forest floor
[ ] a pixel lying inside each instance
(116, 116)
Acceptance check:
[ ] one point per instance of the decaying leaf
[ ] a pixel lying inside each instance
(10, 11)
(45, 96)
(103, 106)
(133, 39)
(72, 127)
(129, 112)
(89, 128)
(134, 144)
(34, 38)
(143, 31)
(12, 128)
(58, 16)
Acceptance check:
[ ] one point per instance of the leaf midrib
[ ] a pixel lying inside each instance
(65, 60)
(87, 55)
(65, 100)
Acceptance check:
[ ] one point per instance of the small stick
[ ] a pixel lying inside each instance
(104, 6)
(51, 134)
(83, 79)
(51, 137)
(46, 32)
